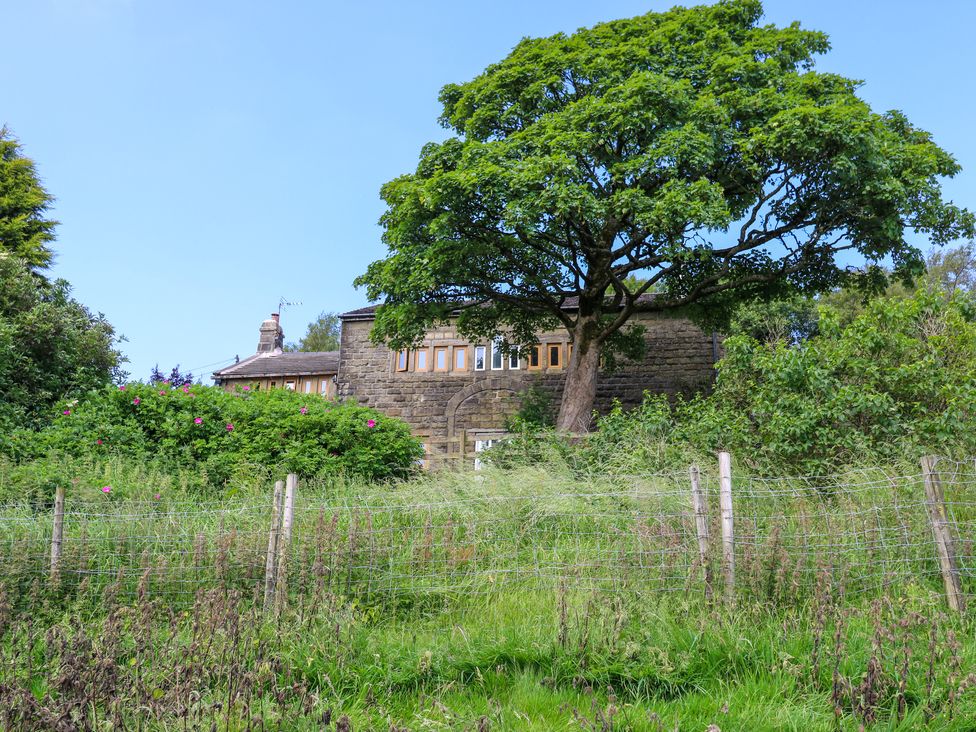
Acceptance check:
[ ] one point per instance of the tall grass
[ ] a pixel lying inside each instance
(508, 599)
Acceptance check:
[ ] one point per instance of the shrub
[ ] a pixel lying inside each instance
(215, 431)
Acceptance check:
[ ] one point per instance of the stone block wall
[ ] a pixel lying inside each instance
(446, 408)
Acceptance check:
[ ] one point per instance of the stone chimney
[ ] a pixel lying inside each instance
(272, 337)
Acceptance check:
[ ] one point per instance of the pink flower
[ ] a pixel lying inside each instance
(122, 388)
(166, 382)
(136, 401)
(247, 388)
(156, 497)
(230, 428)
(303, 410)
(186, 390)
(371, 423)
(66, 412)
(198, 420)
(107, 489)
(98, 442)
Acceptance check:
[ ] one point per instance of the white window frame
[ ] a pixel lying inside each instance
(324, 386)
(514, 361)
(290, 385)
(496, 350)
(481, 351)
(481, 446)
(308, 386)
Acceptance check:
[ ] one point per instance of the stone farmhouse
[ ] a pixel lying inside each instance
(457, 395)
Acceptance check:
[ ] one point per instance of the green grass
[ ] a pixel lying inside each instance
(392, 623)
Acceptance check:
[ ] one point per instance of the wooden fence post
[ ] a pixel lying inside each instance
(728, 531)
(942, 533)
(270, 564)
(57, 533)
(701, 526)
(284, 541)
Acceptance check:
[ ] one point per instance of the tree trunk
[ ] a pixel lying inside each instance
(582, 372)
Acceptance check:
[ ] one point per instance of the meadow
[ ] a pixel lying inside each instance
(531, 598)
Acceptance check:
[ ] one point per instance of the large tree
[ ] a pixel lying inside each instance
(51, 346)
(695, 148)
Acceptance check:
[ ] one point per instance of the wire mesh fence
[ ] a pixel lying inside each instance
(868, 529)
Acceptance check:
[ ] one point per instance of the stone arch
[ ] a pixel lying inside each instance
(479, 388)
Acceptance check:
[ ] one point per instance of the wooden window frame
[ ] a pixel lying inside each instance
(416, 359)
(559, 363)
(447, 364)
(484, 358)
(459, 351)
(536, 353)
(403, 356)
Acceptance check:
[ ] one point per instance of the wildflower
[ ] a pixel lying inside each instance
(66, 412)
(186, 390)
(136, 401)
(98, 442)
(122, 388)
(230, 428)
(156, 497)
(107, 489)
(198, 420)
(303, 410)
(247, 388)
(162, 393)
(371, 423)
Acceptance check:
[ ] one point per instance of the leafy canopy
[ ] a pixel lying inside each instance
(693, 153)
(51, 346)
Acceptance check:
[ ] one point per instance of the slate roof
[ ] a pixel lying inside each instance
(278, 363)
(368, 313)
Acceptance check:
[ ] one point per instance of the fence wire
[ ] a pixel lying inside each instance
(868, 530)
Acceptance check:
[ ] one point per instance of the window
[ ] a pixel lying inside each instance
(403, 361)
(555, 351)
(460, 358)
(421, 364)
(496, 356)
(440, 359)
(569, 353)
(290, 385)
(273, 383)
(514, 362)
(479, 358)
(535, 357)
(308, 386)
(323, 386)
(481, 446)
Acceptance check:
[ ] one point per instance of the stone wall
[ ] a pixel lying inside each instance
(446, 408)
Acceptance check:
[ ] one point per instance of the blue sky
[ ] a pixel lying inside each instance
(211, 157)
